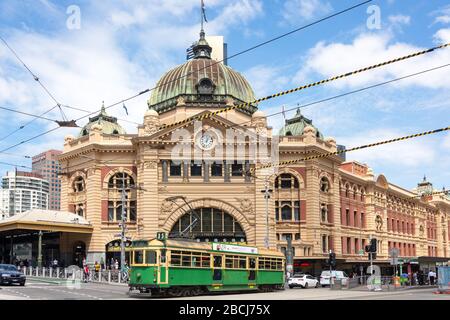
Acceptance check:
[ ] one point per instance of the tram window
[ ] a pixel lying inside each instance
(163, 256)
(279, 264)
(138, 257)
(252, 263)
(242, 263)
(175, 258)
(206, 261)
(196, 260)
(218, 261)
(228, 262)
(150, 257)
(186, 260)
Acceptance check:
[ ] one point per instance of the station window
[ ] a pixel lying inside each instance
(216, 169)
(196, 169)
(175, 169)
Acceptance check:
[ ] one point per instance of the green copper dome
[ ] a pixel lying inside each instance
(109, 124)
(296, 125)
(201, 80)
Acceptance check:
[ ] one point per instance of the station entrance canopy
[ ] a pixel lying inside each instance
(45, 221)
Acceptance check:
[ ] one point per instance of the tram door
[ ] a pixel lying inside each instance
(217, 269)
(251, 270)
(163, 270)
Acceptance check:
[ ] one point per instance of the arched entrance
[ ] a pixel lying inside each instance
(212, 225)
(113, 253)
(79, 253)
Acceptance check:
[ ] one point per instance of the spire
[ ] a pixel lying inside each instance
(201, 49)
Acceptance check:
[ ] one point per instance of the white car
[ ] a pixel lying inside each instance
(304, 281)
(339, 275)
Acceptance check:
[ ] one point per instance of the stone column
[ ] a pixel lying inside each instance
(226, 174)
(165, 173)
(148, 213)
(206, 171)
(95, 247)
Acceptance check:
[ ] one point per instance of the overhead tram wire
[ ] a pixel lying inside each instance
(340, 95)
(234, 55)
(303, 87)
(302, 106)
(276, 95)
(371, 145)
(14, 165)
(163, 84)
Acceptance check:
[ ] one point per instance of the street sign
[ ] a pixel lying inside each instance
(394, 261)
(394, 252)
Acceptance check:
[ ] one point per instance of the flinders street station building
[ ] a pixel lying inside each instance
(208, 179)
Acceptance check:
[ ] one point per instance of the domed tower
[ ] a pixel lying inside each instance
(107, 124)
(201, 84)
(297, 125)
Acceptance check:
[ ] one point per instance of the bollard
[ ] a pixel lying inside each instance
(65, 273)
(99, 276)
(109, 276)
(43, 272)
(57, 272)
(119, 276)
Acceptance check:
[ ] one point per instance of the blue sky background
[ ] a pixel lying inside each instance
(124, 47)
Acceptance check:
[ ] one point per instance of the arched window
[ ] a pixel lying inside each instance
(78, 185)
(324, 213)
(79, 210)
(286, 181)
(324, 184)
(120, 180)
(355, 191)
(347, 190)
(115, 211)
(209, 224)
(289, 210)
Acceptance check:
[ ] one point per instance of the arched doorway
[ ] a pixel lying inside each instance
(113, 253)
(212, 225)
(79, 253)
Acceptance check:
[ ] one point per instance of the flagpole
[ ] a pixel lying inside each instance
(201, 13)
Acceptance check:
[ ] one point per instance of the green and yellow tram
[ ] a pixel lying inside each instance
(187, 268)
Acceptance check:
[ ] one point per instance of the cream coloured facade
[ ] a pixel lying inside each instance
(322, 204)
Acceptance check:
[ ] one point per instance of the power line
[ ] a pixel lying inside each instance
(349, 93)
(345, 94)
(14, 165)
(27, 114)
(158, 86)
(233, 56)
(35, 77)
(371, 145)
(303, 87)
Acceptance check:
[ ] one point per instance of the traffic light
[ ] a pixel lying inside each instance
(332, 259)
(373, 245)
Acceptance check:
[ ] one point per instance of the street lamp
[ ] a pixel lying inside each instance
(267, 193)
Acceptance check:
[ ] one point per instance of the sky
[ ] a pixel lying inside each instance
(122, 47)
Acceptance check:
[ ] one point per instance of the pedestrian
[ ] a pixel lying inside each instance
(55, 263)
(116, 265)
(431, 277)
(415, 278)
(86, 273)
(97, 267)
(102, 264)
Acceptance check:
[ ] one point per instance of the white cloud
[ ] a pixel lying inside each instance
(265, 79)
(330, 59)
(295, 11)
(446, 142)
(414, 153)
(442, 16)
(442, 36)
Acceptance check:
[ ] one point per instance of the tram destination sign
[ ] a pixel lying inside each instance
(234, 248)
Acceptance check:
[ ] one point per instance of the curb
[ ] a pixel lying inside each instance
(54, 281)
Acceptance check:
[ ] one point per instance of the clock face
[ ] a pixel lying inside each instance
(206, 142)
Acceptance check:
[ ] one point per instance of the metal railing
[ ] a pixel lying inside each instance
(75, 273)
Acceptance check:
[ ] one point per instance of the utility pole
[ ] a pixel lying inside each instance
(123, 237)
(267, 192)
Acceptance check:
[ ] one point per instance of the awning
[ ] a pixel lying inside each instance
(432, 259)
(48, 221)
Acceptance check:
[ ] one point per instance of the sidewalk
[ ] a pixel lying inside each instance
(63, 281)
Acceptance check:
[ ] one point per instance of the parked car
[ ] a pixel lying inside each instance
(303, 280)
(10, 275)
(336, 274)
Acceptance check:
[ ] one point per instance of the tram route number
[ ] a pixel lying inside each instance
(245, 310)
